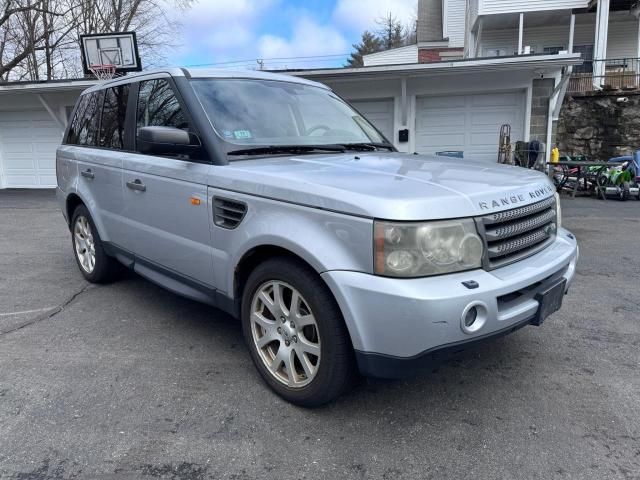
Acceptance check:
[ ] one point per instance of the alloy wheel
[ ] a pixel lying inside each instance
(285, 333)
(84, 244)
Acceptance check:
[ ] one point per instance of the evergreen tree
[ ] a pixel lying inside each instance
(369, 43)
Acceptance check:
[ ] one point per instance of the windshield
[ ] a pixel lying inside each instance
(254, 112)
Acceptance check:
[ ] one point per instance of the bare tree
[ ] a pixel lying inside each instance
(20, 37)
(39, 39)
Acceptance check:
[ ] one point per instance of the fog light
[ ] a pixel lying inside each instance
(473, 317)
(470, 317)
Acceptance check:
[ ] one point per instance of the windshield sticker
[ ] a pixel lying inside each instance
(242, 134)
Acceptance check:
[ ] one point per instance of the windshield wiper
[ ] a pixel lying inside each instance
(275, 149)
(367, 146)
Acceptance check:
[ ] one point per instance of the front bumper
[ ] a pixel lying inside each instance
(400, 325)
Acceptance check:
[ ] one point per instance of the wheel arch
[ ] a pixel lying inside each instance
(75, 199)
(257, 255)
(72, 202)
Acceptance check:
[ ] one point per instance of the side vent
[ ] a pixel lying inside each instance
(228, 213)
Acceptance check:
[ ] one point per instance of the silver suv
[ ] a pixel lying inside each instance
(271, 198)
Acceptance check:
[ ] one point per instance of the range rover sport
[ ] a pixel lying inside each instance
(271, 198)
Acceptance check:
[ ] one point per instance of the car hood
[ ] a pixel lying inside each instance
(392, 186)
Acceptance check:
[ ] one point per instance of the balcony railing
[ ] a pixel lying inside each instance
(619, 73)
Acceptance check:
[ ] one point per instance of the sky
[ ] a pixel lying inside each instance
(221, 31)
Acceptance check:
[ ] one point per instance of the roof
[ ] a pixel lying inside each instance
(47, 85)
(448, 67)
(463, 66)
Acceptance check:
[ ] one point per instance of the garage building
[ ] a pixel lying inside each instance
(450, 105)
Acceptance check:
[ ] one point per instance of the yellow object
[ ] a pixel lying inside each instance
(555, 155)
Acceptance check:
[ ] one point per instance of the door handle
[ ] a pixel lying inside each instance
(88, 174)
(137, 185)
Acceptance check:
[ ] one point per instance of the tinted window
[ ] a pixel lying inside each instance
(84, 128)
(113, 117)
(158, 106)
(72, 138)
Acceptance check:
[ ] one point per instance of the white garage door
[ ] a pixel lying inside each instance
(378, 112)
(470, 123)
(28, 142)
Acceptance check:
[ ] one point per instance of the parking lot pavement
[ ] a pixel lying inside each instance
(128, 381)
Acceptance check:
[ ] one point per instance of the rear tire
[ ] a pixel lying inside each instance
(296, 334)
(94, 264)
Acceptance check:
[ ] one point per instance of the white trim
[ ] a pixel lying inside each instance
(403, 100)
(434, 44)
(445, 21)
(528, 98)
(478, 37)
(572, 28)
(48, 87)
(450, 66)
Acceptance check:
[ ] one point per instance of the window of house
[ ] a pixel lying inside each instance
(159, 107)
(113, 117)
(495, 52)
(586, 51)
(552, 50)
(84, 127)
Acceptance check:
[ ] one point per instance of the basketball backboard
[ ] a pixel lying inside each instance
(119, 49)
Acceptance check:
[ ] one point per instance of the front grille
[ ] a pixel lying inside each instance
(511, 235)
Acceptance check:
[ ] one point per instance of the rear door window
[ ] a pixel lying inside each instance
(84, 127)
(112, 127)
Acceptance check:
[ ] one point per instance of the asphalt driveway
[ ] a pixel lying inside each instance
(128, 381)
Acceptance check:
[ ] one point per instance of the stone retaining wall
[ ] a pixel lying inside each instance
(599, 125)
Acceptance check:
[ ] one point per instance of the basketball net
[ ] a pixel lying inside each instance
(103, 72)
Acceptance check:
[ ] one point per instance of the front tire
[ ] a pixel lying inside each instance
(296, 334)
(95, 265)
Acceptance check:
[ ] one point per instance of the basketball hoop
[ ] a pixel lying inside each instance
(103, 72)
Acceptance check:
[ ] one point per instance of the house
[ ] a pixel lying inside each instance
(445, 105)
(478, 64)
(604, 30)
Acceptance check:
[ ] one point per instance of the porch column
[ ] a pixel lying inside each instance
(572, 27)
(600, 46)
(520, 33)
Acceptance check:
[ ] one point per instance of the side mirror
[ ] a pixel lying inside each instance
(167, 141)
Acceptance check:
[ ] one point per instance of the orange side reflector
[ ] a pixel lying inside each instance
(195, 201)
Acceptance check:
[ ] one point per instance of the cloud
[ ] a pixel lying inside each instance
(307, 38)
(361, 15)
(217, 31)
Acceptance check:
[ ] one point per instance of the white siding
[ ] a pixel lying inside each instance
(488, 7)
(622, 42)
(456, 22)
(396, 56)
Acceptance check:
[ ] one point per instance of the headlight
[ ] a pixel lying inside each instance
(429, 248)
(558, 213)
